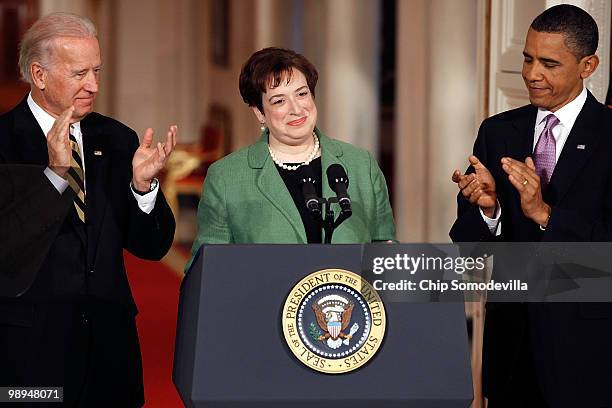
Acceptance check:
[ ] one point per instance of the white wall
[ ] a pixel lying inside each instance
(436, 107)
(154, 75)
(351, 60)
(70, 6)
(452, 105)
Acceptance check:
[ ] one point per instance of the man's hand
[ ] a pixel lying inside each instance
(525, 179)
(58, 144)
(148, 160)
(478, 187)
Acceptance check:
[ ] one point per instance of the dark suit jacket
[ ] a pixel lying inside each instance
(27, 226)
(570, 343)
(79, 281)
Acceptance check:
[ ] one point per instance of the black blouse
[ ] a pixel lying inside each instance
(291, 179)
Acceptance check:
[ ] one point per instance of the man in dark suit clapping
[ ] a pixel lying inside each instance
(77, 189)
(543, 173)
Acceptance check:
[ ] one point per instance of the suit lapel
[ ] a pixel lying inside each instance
(272, 186)
(30, 139)
(32, 144)
(520, 145)
(96, 176)
(572, 160)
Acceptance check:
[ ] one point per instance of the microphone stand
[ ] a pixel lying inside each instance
(327, 221)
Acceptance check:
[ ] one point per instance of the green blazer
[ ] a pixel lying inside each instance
(245, 201)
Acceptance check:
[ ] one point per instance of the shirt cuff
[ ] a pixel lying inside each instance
(58, 182)
(146, 202)
(494, 223)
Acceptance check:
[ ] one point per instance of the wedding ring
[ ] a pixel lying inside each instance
(525, 182)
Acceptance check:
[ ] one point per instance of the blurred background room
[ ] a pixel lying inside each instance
(409, 80)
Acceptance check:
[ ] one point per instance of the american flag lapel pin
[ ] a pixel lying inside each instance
(581, 147)
(99, 152)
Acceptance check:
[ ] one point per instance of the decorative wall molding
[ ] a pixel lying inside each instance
(508, 19)
(515, 17)
(601, 10)
(510, 92)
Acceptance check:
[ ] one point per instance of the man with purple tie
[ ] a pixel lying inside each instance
(543, 173)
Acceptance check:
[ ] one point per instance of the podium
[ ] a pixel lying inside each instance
(230, 350)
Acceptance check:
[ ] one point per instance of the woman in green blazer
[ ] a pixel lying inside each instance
(252, 195)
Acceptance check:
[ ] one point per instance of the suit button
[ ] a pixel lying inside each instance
(91, 271)
(84, 318)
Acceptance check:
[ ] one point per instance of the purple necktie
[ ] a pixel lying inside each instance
(544, 153)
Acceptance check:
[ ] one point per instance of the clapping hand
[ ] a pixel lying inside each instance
(149, 160)
(478, 187)
(58, 144)
(524, 178)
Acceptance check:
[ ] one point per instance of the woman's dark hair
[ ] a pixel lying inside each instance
(268, 67)
(578, 27)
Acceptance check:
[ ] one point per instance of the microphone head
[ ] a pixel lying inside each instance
(336, 174)
(306, 175)
(307, 181)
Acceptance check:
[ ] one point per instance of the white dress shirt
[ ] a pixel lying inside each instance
(145, 202)
(567, 117)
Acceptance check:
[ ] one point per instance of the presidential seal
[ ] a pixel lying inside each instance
(333, 321)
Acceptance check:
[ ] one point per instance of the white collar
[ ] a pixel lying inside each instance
(567, 114)
(45, 121)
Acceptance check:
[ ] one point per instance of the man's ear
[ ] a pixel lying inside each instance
(589, 65)
(39, 75)
(260, 116)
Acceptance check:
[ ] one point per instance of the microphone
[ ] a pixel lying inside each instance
(338, 181)
(307, 181)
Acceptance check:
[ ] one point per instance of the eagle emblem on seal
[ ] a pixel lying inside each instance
(333, 313)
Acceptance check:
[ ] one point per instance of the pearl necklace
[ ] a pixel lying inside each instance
(310, 158)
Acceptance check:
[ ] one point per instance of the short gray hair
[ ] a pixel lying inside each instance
(37, 43)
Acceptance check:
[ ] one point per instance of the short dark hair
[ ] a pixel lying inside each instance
(267, 67)
(579, 28)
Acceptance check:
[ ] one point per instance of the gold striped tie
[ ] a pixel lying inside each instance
(75, 177)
